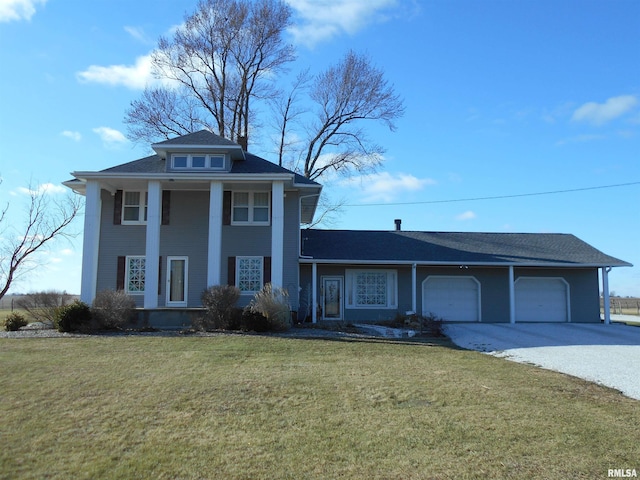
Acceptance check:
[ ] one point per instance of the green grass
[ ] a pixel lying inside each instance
(256, 407)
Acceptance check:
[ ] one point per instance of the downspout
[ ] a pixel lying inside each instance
(605, 295)
(512, 296)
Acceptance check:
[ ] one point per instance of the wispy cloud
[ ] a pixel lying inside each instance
(138, 34)
(76, 136)
(468, 215)
(44, 188)
(601, 113)
(320, 20)
(110, 136)
(385, 187)
(15, 10)
(580, 139)
(136, 76)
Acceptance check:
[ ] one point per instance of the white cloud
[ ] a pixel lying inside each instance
(385, 186)
(601, 113)
(11, 10)
(135, 76)
(110, 136)
(44, 188)
(321, 20)
(468, 215)
(72, 135)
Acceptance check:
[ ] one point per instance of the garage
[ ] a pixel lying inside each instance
(541, 299)
(455, 299)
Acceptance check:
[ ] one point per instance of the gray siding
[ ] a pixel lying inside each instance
(494, 287)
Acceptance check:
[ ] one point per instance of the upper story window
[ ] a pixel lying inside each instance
(251, 208)
(134, 207)
(213, 162)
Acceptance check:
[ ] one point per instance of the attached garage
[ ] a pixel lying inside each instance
(541, 300)
(452, 298)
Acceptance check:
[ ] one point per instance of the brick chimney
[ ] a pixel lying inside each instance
(398, 224)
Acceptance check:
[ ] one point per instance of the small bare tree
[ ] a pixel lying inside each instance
(221, 59)
(44, 221)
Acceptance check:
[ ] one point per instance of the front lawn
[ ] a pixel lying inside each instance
(241, 406)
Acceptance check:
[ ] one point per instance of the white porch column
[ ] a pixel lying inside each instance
(314, 292)
(512, 296)
(414, 293)
(277, 234)
(90, 242)
(152, 249)
(605, 295)
(214, 248)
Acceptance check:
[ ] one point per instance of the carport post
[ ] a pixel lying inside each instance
(414, 303)
(512, 296)
(314, 292)
(605, 295)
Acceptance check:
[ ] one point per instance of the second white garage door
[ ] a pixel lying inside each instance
(541, 300)
(454, 299)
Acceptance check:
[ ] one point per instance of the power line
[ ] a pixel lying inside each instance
(497, 197)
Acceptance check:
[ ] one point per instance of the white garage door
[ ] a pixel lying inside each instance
(455, 299)
(541, 300)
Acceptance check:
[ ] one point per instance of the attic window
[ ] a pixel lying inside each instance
(197, 162)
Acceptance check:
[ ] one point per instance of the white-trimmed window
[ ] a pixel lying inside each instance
(249, 274)
(251, 208)
(210, 162)
(134, 275)
(371, 289)
(134, 207)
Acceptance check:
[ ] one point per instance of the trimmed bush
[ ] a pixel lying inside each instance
(220, 302)
(73, 317)
(112, 309)
(273, 304)
(254, 321)
(15, 322)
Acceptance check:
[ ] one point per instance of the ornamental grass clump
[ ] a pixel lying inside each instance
(273, 303)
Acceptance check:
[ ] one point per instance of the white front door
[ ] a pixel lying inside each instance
(332, 292)
(177, 276)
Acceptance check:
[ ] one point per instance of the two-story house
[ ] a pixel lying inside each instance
(202, 211)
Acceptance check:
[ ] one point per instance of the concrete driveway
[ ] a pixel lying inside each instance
(605, 354)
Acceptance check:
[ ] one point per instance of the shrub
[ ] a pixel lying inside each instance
(14, 322)
(273, 304)
(112, 309)
(220, 302)
(42, 306)
(254, 321)
(73, 317)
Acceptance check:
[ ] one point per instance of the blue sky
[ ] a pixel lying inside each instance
(503, 98)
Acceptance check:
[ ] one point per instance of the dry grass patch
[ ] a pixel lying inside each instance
(267, 407)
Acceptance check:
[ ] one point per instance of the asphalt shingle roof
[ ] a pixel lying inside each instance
(251, 164)
(453, 248)
(203, 137)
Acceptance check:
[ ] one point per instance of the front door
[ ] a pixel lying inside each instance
(177, 275)
(332, 288)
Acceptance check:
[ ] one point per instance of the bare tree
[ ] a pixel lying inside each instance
(221, 59)
(286, 111)
(44, 221)
(345, 95)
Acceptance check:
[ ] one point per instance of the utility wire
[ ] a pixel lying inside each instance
(498, 197)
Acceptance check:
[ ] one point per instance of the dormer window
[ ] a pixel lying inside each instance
(197, 162)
